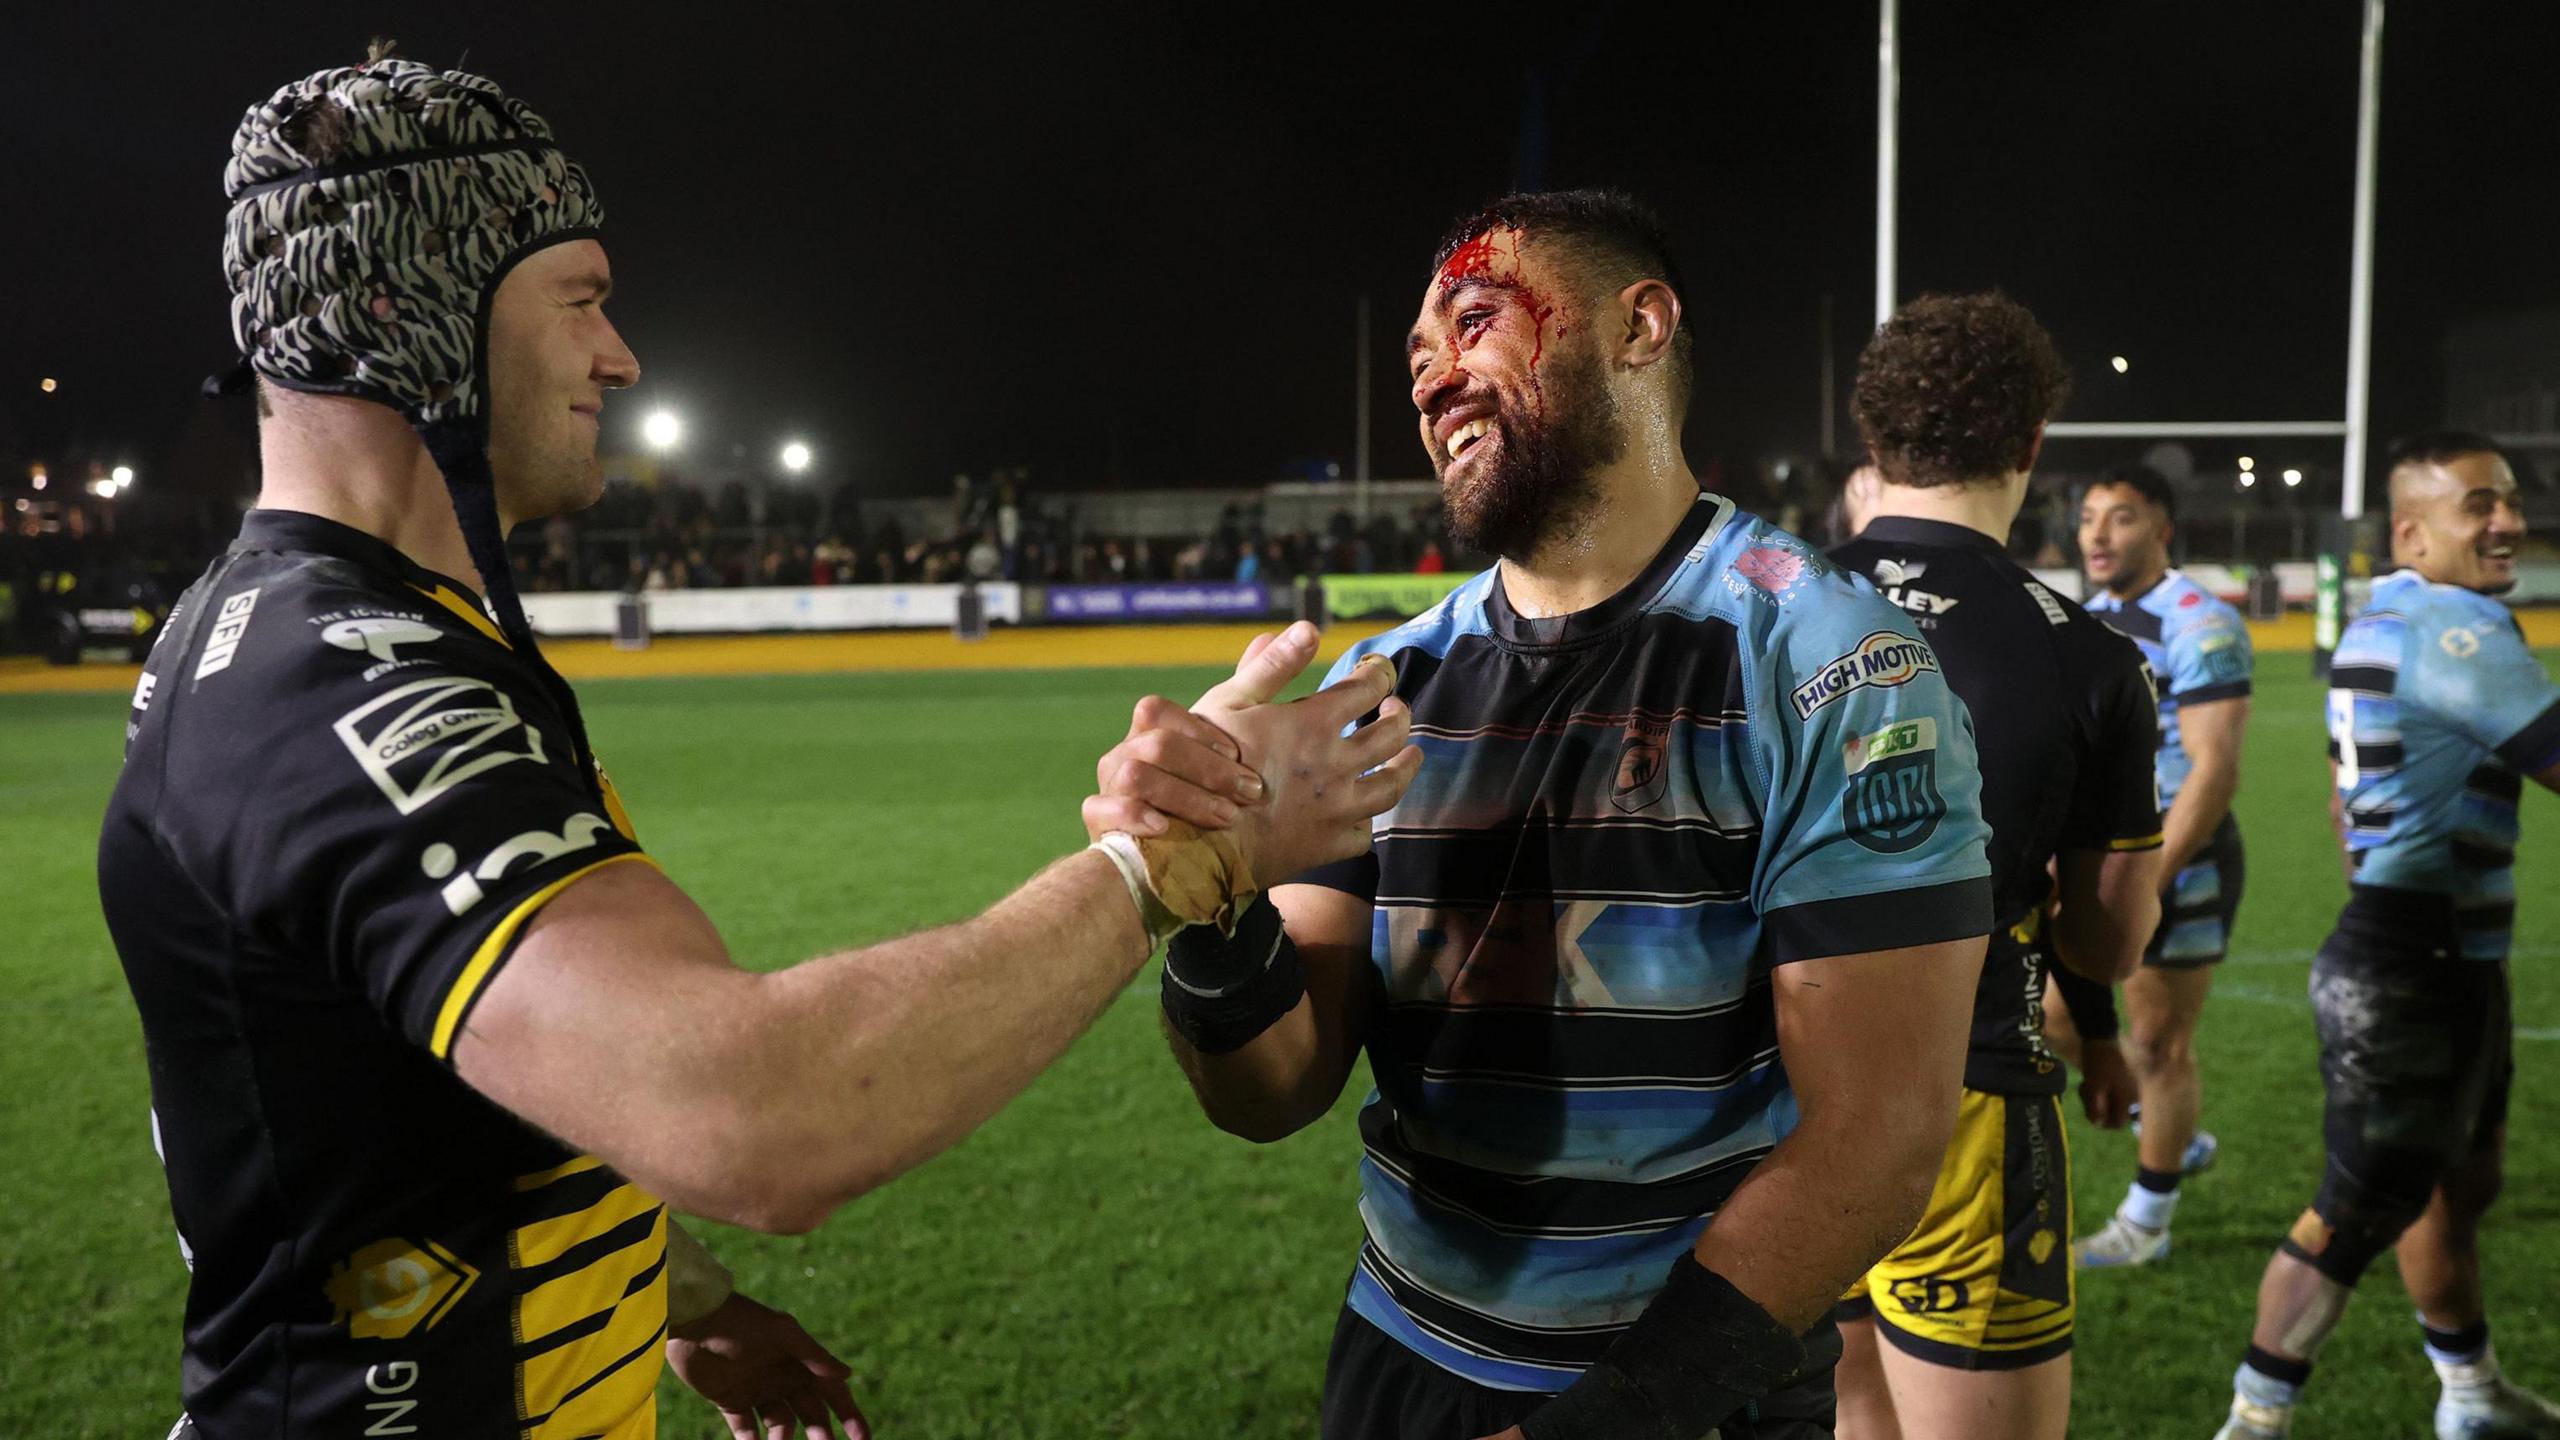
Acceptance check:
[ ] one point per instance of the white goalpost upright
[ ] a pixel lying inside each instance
(2351, 429)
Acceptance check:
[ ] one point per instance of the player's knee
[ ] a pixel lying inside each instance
(2347, 1229)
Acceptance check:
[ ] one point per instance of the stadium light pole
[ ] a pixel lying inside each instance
(1888, 150)
(1360, 409)
(2360, 286)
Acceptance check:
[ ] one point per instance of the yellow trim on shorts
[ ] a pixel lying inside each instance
(485, 959)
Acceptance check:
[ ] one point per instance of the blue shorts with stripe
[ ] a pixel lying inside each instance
(2197, 910)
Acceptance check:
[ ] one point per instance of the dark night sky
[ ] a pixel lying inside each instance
(1124, 244)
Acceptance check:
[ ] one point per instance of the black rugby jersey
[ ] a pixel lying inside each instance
(343, 795)
(2067, 724)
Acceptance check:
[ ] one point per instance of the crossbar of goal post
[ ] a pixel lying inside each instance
(2352, 430)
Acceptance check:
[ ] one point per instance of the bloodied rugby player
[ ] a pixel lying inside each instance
(433, 1044)
(1975, 1306)
(2438, 713)
(1663, 966)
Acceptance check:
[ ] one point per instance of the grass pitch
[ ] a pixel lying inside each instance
(1098, 1261)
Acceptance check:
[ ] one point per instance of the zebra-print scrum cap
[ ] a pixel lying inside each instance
(374, 208)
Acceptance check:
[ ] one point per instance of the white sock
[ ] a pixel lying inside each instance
(2149, 1209)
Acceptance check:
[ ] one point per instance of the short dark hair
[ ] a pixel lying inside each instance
(1953, 388)
(2434, 447)
(2144, 481)
(1609, 236)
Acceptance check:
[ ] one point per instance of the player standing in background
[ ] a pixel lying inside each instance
(1952, 397)
(2199, 651)
(2437, 713)
(1698, 843)
(429, 1035)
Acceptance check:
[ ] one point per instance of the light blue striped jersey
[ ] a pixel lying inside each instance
(2437, 709)
(1625, 818)
(2198, 648)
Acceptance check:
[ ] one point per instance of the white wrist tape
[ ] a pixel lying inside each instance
(1121, 849)
(697, 1283)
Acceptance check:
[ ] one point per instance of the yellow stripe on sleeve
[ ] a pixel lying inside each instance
(483, 960)
(2140, 842)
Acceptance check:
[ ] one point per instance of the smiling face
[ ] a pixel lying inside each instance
(2124, 538)
(552, 355)
(2457, 521)
(1512, 394)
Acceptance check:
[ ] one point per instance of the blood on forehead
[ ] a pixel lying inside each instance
(1476, 259)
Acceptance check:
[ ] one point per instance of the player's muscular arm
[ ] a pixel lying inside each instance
(1874, 1047)
(2212, 734)
(621, 1025)
(2110, 906)
(1287, 1077)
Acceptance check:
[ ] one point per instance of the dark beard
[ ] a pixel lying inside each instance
(1541, 483)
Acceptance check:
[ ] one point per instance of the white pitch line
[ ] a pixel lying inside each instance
(2257, 995)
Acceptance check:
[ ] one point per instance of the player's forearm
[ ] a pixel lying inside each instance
(881, 1058)
(2110, 907)
(1277, 1084)
(1831, 1200)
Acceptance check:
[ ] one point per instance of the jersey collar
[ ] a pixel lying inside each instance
(302, 532)
(1912, 530)
(1514, 628)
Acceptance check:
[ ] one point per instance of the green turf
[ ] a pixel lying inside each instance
(1098, 1261)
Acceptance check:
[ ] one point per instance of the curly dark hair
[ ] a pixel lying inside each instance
(1951, 390)
(1609, 238)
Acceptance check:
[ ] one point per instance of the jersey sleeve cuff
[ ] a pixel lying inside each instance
(1887, 920)
(2204, 694)
(2536, 747)
(495, 947)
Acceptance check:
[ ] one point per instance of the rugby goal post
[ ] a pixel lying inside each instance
(2347, 556)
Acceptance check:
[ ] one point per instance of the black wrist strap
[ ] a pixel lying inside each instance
(1220, 991)
(1700, 1352)
(2092, 1005)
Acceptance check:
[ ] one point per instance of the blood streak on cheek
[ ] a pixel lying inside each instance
(1539, 313)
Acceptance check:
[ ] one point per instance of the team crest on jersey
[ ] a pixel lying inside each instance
(391, 1288)
(1891, 803)
(1644, 766)
(1883, 658)
(1771, 573)
(2461, 642)
(421, 739)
